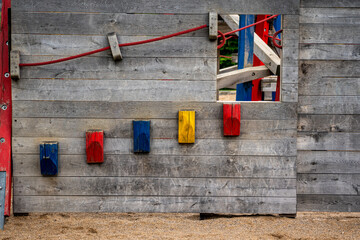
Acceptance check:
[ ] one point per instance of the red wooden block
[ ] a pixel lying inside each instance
(231, 118)
(95, 146)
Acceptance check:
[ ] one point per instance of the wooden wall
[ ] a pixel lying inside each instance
(253, 173)
(328, 162)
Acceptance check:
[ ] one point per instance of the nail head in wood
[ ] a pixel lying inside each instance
(14, 64)
(213, 25)
(114, 46)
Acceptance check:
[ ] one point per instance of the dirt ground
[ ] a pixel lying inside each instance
(181, 226)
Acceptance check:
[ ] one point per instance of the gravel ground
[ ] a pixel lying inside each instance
(181, 226)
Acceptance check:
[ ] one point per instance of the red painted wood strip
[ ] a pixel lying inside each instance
(94, 146)
(5, 105)
(227, 110)
(231, 119)
(236, 116)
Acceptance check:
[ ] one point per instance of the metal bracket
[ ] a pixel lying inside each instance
(114, 46)
(2, 198)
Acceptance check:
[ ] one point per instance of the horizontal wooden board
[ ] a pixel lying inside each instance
(328, 203)
(130, 68)
(25, 204)
(149, 110)
(332, 17)
(69, 146)
(160, 128)
(328, 86)
(328, 141)
(329, 51)
(163, 166)
(104, 23)
(65, 45)
(328, 162)
(328, 4)
(326, 33)
(329, 104)
(311, 70)
(336, 184)
(113, 90)
(140, 186)
(328, 123)
(162, 6)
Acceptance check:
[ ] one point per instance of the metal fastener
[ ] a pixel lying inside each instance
(4, 107)
(6, 75)
(0, 188)
(253, 74)
(2, 140)
(7, 43)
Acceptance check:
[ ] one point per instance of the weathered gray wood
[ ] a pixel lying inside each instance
(327, 4)
(330, 86)
(160, 128)
(267, 55)
(114, 90)
(103, 23)
(332, 17)
(213, 25)
(329, 123)
(329, 104)
(319, 69)
(289, 92)
(132, 68)
(328, 162)
(232, 21)
(328, 203)
(290, 53)
(329, 33)
(289, 74)
(328, 141)
(290, 21)
(14, 64)
(114, 46)
(329, 51)
(65, 45)
(163, 6)
(163, 166)
(148, 110)
(140, 186)
(230, 79)
(228, 69)
(335, 184)
(154, 204)
(279, 147)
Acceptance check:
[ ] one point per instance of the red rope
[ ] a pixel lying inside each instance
(225, 56)
(278, 39)
(106, 48)
(274, 39)
(222, 43)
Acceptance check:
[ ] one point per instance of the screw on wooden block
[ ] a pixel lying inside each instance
(213, 25)
(186, 127)
(6, 75)
(94, 146)
(231, 119)
(114, 46)
(4, 107)
(14, 64)
(2, 140)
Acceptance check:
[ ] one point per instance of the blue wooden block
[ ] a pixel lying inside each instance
(277, 26)
(2, 198)
(141, 136)
(49, 158)
(245, 55)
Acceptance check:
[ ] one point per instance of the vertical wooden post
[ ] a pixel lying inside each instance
(276, 95)
(2, 198)
(245, 55)
(5, 103)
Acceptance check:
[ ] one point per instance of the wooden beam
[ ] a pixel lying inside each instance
(213, 25)
(14, 64)
(228, 69)
(230, 79)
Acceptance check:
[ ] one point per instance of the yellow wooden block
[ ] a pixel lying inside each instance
(186, 126)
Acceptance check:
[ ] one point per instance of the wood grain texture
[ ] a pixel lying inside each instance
(280, 147)
(329, 123)
(163, 6)
(330, 16)
(289, 92)
(137, 186)
(327, 4)
(335, 184)
(328, 203)
(328, 162)
(329, 51)
(95, 146)
(319, 69)
(114, 90)
(328, 141)
(330, 86)
(326, 33)
(329, 104)
(187, 124)
(25, 204)
(148, 110)
(163, 166)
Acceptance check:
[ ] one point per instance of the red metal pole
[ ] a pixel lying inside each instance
(5, 104)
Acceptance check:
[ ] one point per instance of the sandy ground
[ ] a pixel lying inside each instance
(181, 226)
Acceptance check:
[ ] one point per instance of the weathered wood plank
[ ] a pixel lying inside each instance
(267, 55)
(330, 16)
(328, 141)
(290, 21)
(329, 51)
(163, 166)
(280, 147)
(330, 86)
(328, 4)
(161, 128)
(289, 74)
(329, 104)
(328, 162)
(329, 123)
(335, 184)
(163, 6)
(148, 110)
(139, 186)
(130, 68)
(327, 33)
(103, 23)
(328, 203)
(64, 45)
(154, 204)
(319, 69)
(113, 90)
(289, 92)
